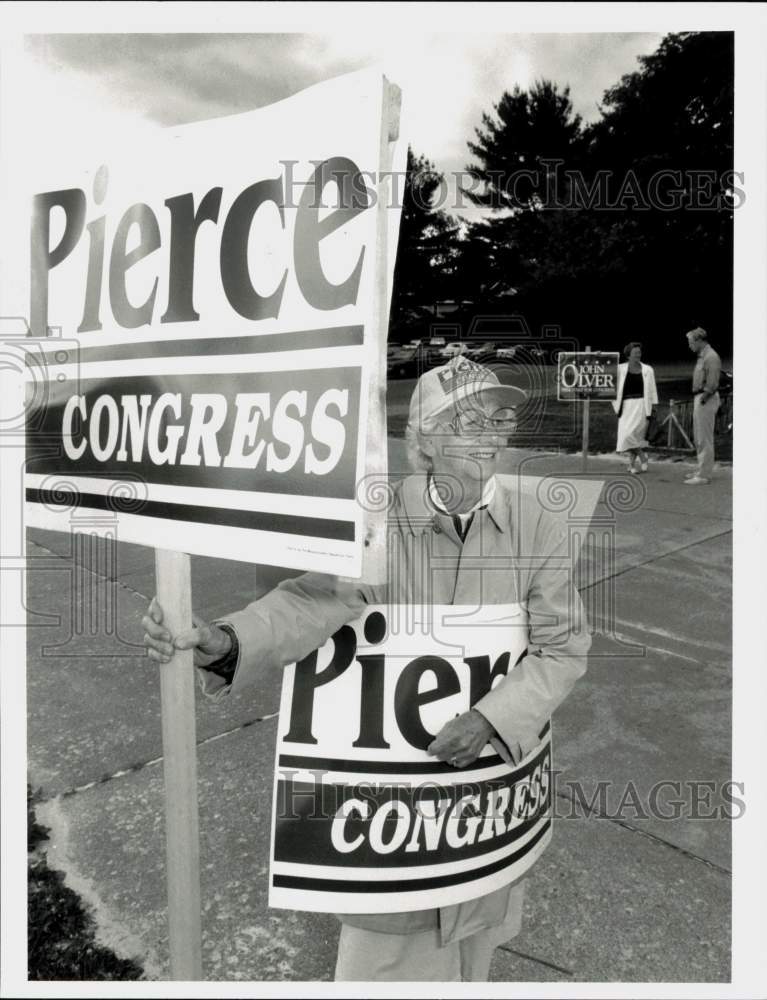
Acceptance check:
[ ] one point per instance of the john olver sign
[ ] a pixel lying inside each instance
(587, 375)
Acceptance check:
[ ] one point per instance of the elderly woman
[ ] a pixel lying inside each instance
(637, 395)
(491, 547)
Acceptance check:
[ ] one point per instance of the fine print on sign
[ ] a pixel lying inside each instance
(222, 299)
(364, 820)
(587, 375)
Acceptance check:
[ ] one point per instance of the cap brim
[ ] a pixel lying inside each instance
(502, 397)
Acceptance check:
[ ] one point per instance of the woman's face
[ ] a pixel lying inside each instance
(635, 354)
(465, 448)
(465, 457)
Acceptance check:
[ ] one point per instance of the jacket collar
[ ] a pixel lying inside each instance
(484, 501)
(420, 515)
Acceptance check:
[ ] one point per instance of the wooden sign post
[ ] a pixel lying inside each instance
(376, 468)
(585, 437)
(179, 746)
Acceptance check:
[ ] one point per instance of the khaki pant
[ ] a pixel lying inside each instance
(370, 956)
(703, 420)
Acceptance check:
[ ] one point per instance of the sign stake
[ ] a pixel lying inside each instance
(177, 688)
(585, 442)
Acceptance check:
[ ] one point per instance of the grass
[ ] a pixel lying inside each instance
(60, 930)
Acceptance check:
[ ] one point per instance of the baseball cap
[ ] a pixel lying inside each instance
(457, 385)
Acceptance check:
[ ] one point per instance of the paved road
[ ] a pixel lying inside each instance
(619, 896)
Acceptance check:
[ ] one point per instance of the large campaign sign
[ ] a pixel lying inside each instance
(217, 301)
(363, 819)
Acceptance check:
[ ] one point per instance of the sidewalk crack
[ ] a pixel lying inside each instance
(140, 765)
(590, 812)
(88, 569)
(674, 847)
(652, 559)
(538, 961)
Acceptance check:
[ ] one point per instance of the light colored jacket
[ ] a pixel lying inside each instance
(514, 552)
(650, 389)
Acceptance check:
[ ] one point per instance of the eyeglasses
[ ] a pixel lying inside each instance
(477, 421)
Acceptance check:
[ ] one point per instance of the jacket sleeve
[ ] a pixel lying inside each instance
(285, 625)
(558, 642)
(619, 396)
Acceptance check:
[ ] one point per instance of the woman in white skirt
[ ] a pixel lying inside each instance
(637, 395)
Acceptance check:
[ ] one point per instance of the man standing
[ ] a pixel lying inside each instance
(705, 391)
(460, 537)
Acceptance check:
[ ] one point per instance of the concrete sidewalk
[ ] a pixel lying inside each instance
(622, 894)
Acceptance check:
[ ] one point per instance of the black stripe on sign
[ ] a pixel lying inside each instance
(406, 884)
(289, 524)
(297, 340)
(381, 767)
(388, 767)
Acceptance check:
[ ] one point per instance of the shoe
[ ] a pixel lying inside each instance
(697, 481)
(643, 467)
(632, 470)
(691, 475)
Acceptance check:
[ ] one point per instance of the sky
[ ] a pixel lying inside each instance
(112, 81)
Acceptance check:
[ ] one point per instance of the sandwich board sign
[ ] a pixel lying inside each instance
(363, 820)
(208, 312)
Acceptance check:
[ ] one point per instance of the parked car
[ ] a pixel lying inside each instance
(428, 354)
(453, 349)
(482, 352)
(506, 353)
(407, 362)
(511, 336)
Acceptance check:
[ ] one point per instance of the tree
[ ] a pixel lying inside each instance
(675, 111)
(518, 149)
(622, 229)
(673, 119)
(427, 249)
